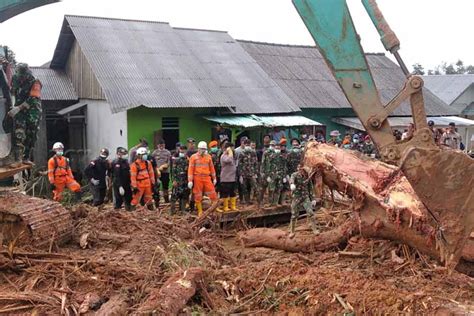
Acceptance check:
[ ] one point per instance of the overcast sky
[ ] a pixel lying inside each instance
(430, 31)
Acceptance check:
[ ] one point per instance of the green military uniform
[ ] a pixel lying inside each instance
(28, 118)
(293, 160)
(180, 192)
(302, 199)
(247, 170)
(278, 177)
(265, 174)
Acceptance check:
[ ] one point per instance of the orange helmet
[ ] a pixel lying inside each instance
(213, 144)
(283, 141)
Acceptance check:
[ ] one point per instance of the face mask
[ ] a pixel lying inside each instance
(181, 155)
(202, 151)
(59, 153)
(102, 157)
(271, 148)
(296, 149)
(277, 151)
(347, 146)
(145, 157)
(214, 150)
(248, 148)
(355, 141)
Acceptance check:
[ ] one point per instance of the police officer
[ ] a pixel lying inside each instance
(121, 180)
(96, 172)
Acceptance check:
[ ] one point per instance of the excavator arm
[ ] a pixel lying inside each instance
(443, 179)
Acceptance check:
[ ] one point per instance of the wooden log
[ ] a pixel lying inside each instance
(171, 298)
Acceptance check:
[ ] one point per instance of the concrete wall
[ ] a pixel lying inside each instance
(143, 122)
(104, 129)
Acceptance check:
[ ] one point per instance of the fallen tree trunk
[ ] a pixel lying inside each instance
(117, 305)
(385, 206)
(171, 298)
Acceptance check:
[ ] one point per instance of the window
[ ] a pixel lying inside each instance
(170, 123)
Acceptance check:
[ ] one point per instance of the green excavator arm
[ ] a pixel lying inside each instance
(11, 8)
(443, 179)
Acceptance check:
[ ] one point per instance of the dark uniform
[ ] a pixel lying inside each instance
(97, 170)
(180, 191)
(247, 170)
(121, 179)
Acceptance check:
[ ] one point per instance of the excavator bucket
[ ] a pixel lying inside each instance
(11, 8)
(444, 182)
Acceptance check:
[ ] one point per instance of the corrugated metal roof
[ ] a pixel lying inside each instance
(449, 87)
(401, 122)
(56, 84)
(249, 121)
(152, 64)
(304, 76)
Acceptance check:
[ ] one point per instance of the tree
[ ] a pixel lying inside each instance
(444, 68)
(418, 69)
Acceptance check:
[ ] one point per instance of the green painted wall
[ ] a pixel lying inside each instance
(324, 116)
(143, 121)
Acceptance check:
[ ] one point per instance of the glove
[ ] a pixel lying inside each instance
(121, 191)
(190, 185)
(241, 180)
(52, 186)
(292, 187)
(95, 181)
(134, 190)
(14, 111)
(284, 180)
(314, 203)
(214, 182)
(269, 179)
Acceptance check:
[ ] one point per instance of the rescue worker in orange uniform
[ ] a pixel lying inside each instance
(142, 178)
(60, 174)
(202, 176)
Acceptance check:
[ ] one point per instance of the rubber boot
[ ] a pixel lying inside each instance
(313, 225)
(173, 207)
(77, 197)
(282, 198)
(199, 208)
(226, 204)
(219, 209)
(150, 206)
(133, 208)
(275, 197)
(182, 205)
(292, 228)
(166, 196)
(233, 203)
(128, 207)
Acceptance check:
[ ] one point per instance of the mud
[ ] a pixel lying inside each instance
(367, 276)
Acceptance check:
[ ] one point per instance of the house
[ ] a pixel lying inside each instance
(147, 79)
(303, 75)
(455, 90)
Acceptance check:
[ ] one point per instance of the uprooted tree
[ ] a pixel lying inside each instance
(384, 206)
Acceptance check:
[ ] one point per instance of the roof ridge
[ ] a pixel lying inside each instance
(115, 19)
(276, 44)
(196, 29)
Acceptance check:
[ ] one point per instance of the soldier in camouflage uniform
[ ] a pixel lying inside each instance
(266, 172)
(302, 199)
(247, 170)
(294, 156)
(26, 90)
(279, 175)
(179, 173)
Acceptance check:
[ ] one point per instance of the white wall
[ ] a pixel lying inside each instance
(104, 129)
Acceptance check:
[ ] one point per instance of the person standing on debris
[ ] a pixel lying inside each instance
(278, 177)
(451, 138)
(121, 180)
(142, 178)
(237, 153)
(96, 172)
(302, 199)
(180, 191)
(228, 176)
(247, 170)
(286, 183)
(266, 172)
(294, 156)
(26, 112)
(142, 142)
(162, 157)
(335, 140)
(60, 174)
(202, 176)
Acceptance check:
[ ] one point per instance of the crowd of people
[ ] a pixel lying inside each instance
(238, 176)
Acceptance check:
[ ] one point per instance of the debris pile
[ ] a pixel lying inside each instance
(144, 262)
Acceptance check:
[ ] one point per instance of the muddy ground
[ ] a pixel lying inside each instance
(127, 257)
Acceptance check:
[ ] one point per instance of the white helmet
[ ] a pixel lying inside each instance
(202, 145)
(142, 151)
(58, 145)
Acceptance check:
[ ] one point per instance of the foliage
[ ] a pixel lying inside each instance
(457, 68)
